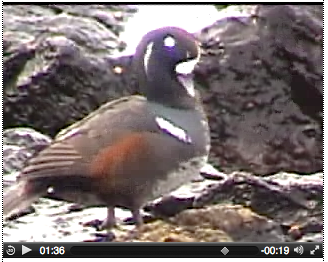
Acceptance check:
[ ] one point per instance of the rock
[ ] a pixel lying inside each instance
(288, 199)
(310, 228)
(312, 238)
(216, 223)
(20, 144)
(15, 158)
(239, 223)
(57, 66)
(25, 137)
(161, 231)
(263, 80)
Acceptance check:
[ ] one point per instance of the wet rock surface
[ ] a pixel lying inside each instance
(261, 82)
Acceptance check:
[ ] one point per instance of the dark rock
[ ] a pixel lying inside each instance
(308, 228)
(57, 65)
(169, 205)
(24, 212)
(288, 198)
(102, 237)
(263, 77)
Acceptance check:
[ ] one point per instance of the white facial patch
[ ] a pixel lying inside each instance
(183, 70)
(169, 41)
(148, 52)
(175, 131)
(187, 82)
(187, 67)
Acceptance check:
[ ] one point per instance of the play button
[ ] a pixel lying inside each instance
(25, 250)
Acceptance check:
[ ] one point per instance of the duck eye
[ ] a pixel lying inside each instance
(169, 41)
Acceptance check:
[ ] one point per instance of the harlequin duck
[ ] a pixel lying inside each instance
(131, 150)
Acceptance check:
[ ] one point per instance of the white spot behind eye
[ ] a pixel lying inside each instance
(175, 131)
(169, 41)
(148, 52)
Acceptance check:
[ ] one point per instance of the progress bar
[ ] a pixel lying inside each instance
(167, 250)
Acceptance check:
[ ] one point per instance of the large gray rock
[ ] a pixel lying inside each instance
(56, 63)
(263, 77)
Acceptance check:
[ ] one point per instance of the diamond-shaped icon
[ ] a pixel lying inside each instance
(224, 251)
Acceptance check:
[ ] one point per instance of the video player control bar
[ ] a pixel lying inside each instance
(126, 250)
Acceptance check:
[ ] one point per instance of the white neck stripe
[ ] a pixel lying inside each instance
(175, 131)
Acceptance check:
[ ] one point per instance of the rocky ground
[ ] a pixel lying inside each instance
(261, 79)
